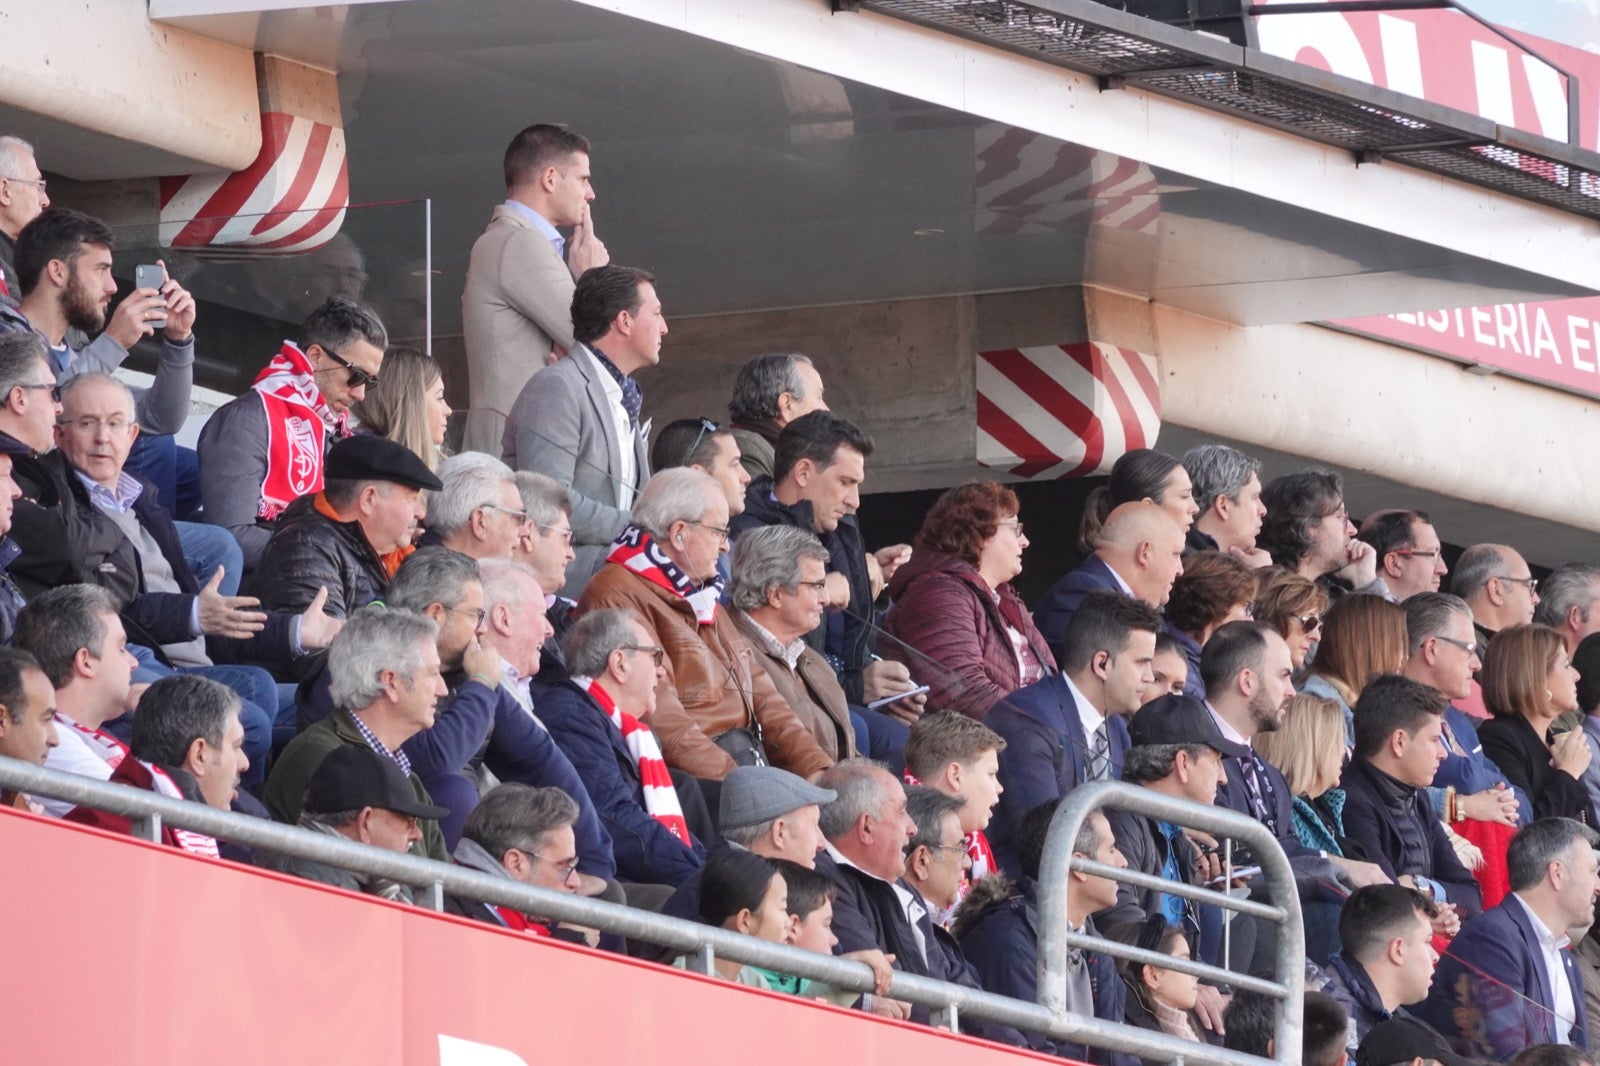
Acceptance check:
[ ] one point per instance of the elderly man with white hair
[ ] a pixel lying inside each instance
(716, 708)
(514, 623)
(479, 511)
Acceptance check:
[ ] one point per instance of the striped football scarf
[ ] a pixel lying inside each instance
(660, 798)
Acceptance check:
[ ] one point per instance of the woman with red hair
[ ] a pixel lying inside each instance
(957, 623)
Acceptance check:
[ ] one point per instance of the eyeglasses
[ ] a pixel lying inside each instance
(91, 426)
(477, 616)
(657, 655)
(358, 377)
(723, 533)
(1310, 623)
(1530, 581)
(818, 586)
(959, 849)
(1416, 552)
(566, 869)
(1014, 523)
(566, 534)
(520, 516)
(1470, 647)
(55, 390)
(40, 182)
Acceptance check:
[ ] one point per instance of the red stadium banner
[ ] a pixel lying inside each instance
(154, 956)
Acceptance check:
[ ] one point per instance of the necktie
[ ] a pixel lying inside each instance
(1100, 761)
(1256, 777)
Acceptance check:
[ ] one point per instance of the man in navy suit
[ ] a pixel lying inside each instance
(1509, 980)
(1069, 728)
(1139, 553)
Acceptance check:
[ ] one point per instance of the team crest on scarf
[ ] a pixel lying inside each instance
(638, 551)
(299, 421)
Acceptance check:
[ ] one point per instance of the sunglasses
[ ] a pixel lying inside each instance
(358, 377)
(1309, 623)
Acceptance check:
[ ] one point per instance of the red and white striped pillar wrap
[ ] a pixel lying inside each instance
(1026, 182)
(291, 199)
(1066, 410)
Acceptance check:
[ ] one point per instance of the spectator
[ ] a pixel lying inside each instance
(1070, 728)
(1169, 670)
(357, 794)
(407, 405)
(1157, 999)
(1387, 812)
(75, 637)
(188, 744)
(997, 929)
(1309, 749)
(1323, 1032)
(597, 718)
(744, 893)
(1407, 551)
(479, 511)
(516, 308)
(957, 756)
(514, 624)
(1405, 1042)
(715, 708)
(1139, 554)
(1586, 660)
(1388, 958)
(1308, 531)
(816, 486)
(776, 599)
(957, 623)
(1528, 681)
(27, 718)
(698, 443)
(579, 422)
(349, 538)
(1567, 599)
(263, 451)
(546, 547)
(810, 908)
(1213, 590)
(384, 681)
(1226, 486)
(1521, 942)
(866, 829)
(11, 600)
(522, 834)
(1293, 606)
(31, 404)
(1140, 474)
(769, 392)
(1252, 1019)
(1498, 586)
(98, 523)
(22, 198)
(1362, 636)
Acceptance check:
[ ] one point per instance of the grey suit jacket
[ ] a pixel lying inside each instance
(564, 426)
(516, 305)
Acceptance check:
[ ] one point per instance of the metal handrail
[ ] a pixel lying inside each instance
(948, 1002)
(1055, 928)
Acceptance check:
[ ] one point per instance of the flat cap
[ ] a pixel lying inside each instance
(755, 794)
(369, 457)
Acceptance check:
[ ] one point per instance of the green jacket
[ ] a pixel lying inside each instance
(291, 773)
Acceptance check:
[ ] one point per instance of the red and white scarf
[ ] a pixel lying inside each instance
(188, 840)
(520, 922)
(660, 798)
(638, 551)
(299, 421)
(103, 744)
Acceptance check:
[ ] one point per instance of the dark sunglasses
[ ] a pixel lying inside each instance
(358, 377)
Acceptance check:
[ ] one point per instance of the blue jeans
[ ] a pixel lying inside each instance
(258, 704)
(207, 547)
(880, 737)
(173, 469)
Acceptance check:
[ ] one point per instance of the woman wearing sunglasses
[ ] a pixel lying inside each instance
(1293, 606)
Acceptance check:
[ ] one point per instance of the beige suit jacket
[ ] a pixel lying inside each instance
(516, 305)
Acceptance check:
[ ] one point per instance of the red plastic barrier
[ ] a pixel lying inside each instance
(121, 951)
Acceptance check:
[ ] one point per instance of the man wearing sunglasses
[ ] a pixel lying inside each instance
(267, 448)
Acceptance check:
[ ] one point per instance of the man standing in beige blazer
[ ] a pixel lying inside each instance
(516, 309)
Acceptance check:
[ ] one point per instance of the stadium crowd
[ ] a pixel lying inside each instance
(664, 668)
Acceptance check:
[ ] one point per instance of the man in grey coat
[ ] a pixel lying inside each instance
(516, 306)
(578, 421)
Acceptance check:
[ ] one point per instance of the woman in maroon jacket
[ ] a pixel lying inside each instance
(956, 622)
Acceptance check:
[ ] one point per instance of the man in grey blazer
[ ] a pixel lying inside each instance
(515, 308)
(578, 421)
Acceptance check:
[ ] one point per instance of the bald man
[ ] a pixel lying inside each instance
(1139, 553)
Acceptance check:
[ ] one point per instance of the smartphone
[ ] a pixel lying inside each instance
(875, 704)
(1242, 873)
(151, 276)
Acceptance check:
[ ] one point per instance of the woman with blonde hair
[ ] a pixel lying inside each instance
(1529, 682)
(1362, 636)
(407, 404)
(1309, 749)
(1292, 605)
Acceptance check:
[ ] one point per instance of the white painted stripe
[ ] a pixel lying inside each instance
(1402, 60)
(318, 195)
(1492, 67)
(270, 189)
